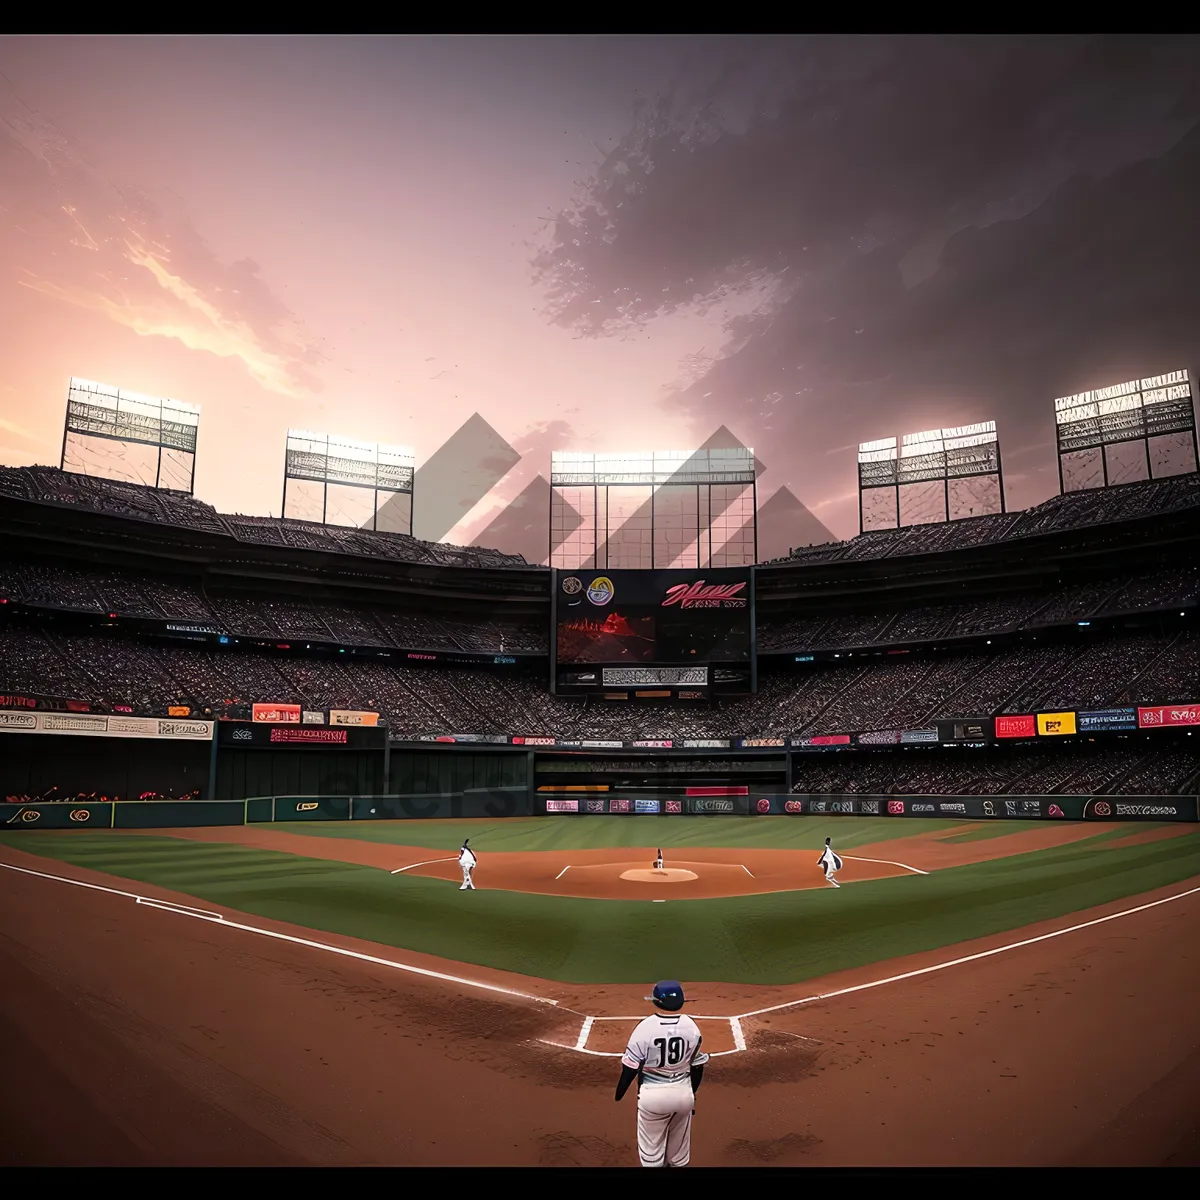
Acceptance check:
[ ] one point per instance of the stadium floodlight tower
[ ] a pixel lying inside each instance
(126, 436)
(931, 476)
(653, 509)
(1143, 429)
(339, 481)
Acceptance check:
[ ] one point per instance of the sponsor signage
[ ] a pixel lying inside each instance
(754, 743)
(595, 806)
(343, 716)
(1016, 727)
(602, 745)
(706, 744)
(895, 808)
(653, 745)
(673, 806)
(914, 737)
(973, 729)
(711, 804)
(1168, 715)
(793, 806)
(1107, 719)
(1057, 724)
(309, 737)
(10, 700)
(562, 806)
(869, 807)
(643, 805)
(79, 815)
(91, 725)
(879, 737)
(922, 808)
(313, 718)
(179, 710)
(953, 807)
(533, 741)
(619, 806)
(763, 805)
(830, 739)
(308, 806)
(276, 713)
(711, 595)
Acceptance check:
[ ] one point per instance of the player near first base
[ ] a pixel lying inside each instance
(467, 860)
(665, 1057)
(830, 863)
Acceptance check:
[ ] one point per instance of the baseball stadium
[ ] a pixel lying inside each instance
(241, 758)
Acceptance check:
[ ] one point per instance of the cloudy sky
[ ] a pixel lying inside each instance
(594, 242)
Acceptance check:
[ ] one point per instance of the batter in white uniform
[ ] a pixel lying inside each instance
(831, 863)
(664, 1056)
(467, 860)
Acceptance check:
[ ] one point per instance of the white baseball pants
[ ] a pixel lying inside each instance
(664, 1124)
(466, 883)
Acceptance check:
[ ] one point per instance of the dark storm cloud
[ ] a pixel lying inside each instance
(936, 231)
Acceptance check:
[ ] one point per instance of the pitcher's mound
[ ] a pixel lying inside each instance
(666, 875)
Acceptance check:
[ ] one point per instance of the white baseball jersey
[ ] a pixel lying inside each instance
(665, 1047)
(829, 860)
(466, 858)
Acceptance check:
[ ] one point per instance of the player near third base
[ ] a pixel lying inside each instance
(665, 1057)
(831, 864)
(467, 860)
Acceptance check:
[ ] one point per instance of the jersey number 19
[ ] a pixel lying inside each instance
(670, 1051)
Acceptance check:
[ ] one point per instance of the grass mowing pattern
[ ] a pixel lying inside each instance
(784, 937)
(515, 834)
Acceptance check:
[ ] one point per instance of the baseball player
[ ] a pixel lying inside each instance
(664, 1056)
(831, 864)
(467, 860)
(658, 862)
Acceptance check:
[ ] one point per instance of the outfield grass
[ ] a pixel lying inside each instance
(514, 834)
(783, 937)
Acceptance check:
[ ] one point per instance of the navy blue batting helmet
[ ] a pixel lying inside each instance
(667, 995)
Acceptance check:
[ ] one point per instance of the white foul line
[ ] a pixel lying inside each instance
(197, 914)
(887, 862)
(426, 863)
(583, 1033)
(563, 871)
(958, 962)
(747, 870)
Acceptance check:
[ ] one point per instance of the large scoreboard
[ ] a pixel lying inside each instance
(652, 634)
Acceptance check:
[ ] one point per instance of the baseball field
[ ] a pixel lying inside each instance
(1007, 993)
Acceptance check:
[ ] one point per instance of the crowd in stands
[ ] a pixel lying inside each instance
(103, 592)
(1073, 510)
(889, 693)
(178, 509)
(1117, 595)
(1093, 769)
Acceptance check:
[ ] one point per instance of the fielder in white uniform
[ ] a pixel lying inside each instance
(467, 860)
(831, 863)
(664, 1056)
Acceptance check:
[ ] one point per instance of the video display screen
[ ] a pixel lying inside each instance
(669, 616)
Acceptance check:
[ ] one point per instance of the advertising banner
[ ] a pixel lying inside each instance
(706, 744)
(673, 806)
(1016, 727)
(594, 806)
(1057, 724)
(661, 745)
(179, 710)
(619, 806)
(341, 716)
(757, 743)
(533, 741)
(94, 725)
(969, 729)
(711, 805)
(1168, 715)
(1107, 719)
(644, 805)
(277, 713)
(594, 745)
(918, 737)
(1141, 808)
(313, 718)
(816, 743)
(878, 737)
(44, 703)
(562, 806)
(309, 737)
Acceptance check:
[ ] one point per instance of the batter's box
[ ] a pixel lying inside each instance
(608, 1036)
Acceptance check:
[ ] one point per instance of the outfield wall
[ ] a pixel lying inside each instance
(498, 803)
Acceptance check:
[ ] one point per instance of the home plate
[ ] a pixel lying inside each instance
(666, 875)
